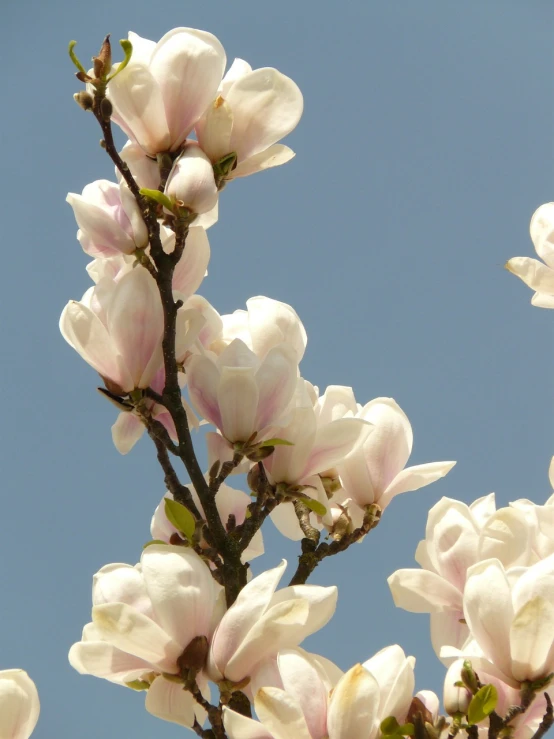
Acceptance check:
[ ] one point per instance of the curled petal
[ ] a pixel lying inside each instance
(19, 704)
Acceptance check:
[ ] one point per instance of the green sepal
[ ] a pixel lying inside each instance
(225, 165)
(127, 47)
(138, 685)
(158, 197)
(74, 58)
(154, 541)
(276, 442)
(391, 727)
(482, 704)
(180, 517)
(314, 505)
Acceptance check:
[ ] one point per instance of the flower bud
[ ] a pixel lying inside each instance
(191, 181)
(84, 100)
(456, 698)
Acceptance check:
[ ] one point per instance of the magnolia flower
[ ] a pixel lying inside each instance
(229, 502)
(375, 472)
(535, 274)
(253, 110)
(152, 620)
(240, 394)
(166, 87)
(117, 328)
(262, 622)
(457, 537)
(109, 219)
(191, 181)
(510, 615)
(264, 324)
(19, 705)
(291, 693)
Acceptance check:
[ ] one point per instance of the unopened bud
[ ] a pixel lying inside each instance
(106, 108)
(256, 454)
(103, 62)
(194, 656)
(84, 100)
(469, 677)
(254, 478)
(331, 485)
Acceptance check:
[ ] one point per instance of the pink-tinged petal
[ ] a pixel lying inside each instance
(188, 326)
(104, 236)
(356, 478)
(273, 156)
(354, 706)
(488, 611)
(239, 68)
(452, 541)
(203, 379)
(531, 639)
(542, 300)
(188, 65)
(266, 107)
(144, 169)
(287, 463)
(533, 273)
(301, 679)
(207, 219)
(276, 380)
(271, 323)
(334, 442)
(248, 608)
(431, 702)
(281, 627)
(143, 48)
(100, 659)
(238, 400)
(448, 628)
(240, 727)
(420, 591)
(281, 714)
(192, 266)
(389, 445)
(135, 323)
(84, 331)
(131, 631)
(238, 354)
(541, 230)
(336, 402)
(414, 478)
(19, 704)
(126, 431)
(170, 701)
(139, 108)
(179, 582)
(139, 229)
(322, 603)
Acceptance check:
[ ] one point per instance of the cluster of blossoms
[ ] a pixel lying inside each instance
(189, 620)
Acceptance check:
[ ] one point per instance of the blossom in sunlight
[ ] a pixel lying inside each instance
(152, 620)
(109, 219)
(191, 181)
(263, 621)
(166, 87)
(253, 110)
(539, 276)
(240, 394)
(19, 705)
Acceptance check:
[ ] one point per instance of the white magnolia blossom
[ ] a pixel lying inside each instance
(166, 87)
(263, 621)
(537, 275)
(109, 219)
(229, 502)
(143, 620)
(191, 181)
(254, 109)
(241, 395)
(19, 705)
(510, 615)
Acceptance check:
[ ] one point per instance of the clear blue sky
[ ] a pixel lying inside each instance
(425, 146)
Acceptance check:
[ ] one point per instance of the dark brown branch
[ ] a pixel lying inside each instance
(547, 721)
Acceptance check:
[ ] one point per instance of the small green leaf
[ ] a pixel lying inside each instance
(180, 517)
(154, 541)
(482, 704)
(406, 730)
(389, 726)
(127, 47)
(157, 197)
(276, 442)
(314, 505)
(138, 685)
(75, 59)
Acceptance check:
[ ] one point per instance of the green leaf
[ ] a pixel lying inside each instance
(180, 517)
(391, 727)
(154, 541)
(74, 58)
(138, 685)
(406, 730)
(482, 704)
(314, 505)
(157, 197)
(276, 442)
(127, 47)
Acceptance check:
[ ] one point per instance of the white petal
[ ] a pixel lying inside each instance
(191, 268)
(506, 536)
(354, 706)
(271, 322)
(19, 704)
(238, 398)
(273, 156)
(286, 521)
(395, 675)
(170, 701)
(420, 591)
(281, 714)
(322, 603)
(543, 300)
(448, 628)
(334, 442)
(531, 639)
(414, 478)
(302, 680)
(533, 273)
(541, 230)
(203, 382)
(240, 727)
(101, 659)
(126, 431)
(276, 380)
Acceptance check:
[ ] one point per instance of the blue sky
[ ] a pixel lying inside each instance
(425, 146)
